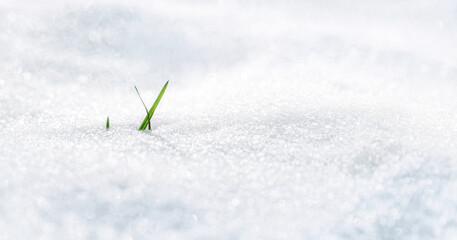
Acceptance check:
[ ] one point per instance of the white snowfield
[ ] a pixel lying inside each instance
(317, 120)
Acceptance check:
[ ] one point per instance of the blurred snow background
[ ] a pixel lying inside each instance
(282, 120)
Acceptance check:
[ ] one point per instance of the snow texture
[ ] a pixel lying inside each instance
(319, 120)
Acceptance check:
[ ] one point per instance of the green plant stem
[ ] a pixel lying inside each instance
(145, 108)
(149, 115)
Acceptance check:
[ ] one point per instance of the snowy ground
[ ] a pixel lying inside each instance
(282, 120)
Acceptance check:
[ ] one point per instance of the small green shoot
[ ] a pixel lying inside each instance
(145, 108)
(147, 119)
(107, 123)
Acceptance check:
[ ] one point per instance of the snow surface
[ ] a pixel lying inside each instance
(282, 120)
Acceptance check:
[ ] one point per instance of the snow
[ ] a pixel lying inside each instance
(282, 120)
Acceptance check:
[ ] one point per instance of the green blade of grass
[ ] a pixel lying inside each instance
(107, 122)
(145, 108)
(153, 108)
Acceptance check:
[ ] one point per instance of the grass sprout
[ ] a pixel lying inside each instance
(145, 108)
(107, 122)
(150, 113)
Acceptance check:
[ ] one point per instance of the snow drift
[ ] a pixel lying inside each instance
(282, 120)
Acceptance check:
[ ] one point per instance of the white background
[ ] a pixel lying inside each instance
(282, 120)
